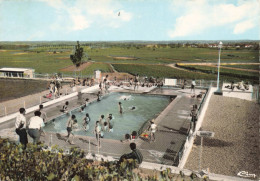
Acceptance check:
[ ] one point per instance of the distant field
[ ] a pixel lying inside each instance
(52, 59)
(172, 55)
(226, 74)
(160, 71)
(14, 88)
(103, 67)
(43, 62)
(253, 67)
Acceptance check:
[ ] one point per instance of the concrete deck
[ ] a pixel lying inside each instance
(173, 124)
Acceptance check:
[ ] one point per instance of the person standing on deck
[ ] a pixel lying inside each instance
(193, 84)
(20, 125)
(153, 128)
(35, 125)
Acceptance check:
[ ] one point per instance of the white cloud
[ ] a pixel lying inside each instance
(79, 22)
(82, 14)
(243, 26)
(200, 15)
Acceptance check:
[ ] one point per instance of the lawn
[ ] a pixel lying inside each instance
(14, 88)
(51, 59)
(251, 67)
(227, 74)
(160, 71)
(43, 62)
(103, 67)
(172, 55)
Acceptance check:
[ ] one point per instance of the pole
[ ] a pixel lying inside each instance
(89, 145)
(24, 104)
(50, 143)
(40, 100)
(218, 67)
(5, 111)
(98, 143)
(200, 160)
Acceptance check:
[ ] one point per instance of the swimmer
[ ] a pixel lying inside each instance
(86, 121)
(86, 101)
(65, 107)
(127, 138)
(98, 96)
(125, 98)
(82, 108)
(101, 121)
(133, 135)
(97, 131)
(133, 108)
(120, 108)
(109, 118)
(105, 128)
(111, 130)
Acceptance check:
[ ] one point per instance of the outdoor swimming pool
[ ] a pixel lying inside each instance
(147, 107)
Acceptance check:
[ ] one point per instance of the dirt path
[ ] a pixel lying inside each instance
(182, 69)
(73, 68)
(113, 68)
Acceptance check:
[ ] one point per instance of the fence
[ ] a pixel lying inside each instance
(32, 100)
(26, 102)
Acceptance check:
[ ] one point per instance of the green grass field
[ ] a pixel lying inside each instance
(172, 55)
(160, 71)
(103, 67)
(227, 74)
(14, 88)
(43, 62)
(150, 60)
(252, 67)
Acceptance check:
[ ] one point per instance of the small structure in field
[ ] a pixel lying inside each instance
(16, 72)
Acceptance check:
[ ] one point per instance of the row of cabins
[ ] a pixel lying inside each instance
(17, 72)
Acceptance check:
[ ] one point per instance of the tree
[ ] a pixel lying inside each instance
(78, 55)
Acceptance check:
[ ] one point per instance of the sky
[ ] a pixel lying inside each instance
(119, 20)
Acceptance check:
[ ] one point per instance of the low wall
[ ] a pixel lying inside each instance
(190, 140)
(237, 93)
(62, 98)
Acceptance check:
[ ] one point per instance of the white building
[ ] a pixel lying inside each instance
(16, 72)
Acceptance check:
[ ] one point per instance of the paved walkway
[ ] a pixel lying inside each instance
(173, 124)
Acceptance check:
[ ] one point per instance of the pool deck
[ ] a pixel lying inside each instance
(173, 124)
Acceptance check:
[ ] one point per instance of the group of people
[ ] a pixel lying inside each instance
(102, 125)
(54, 88)
(33, 126)
(85, 82)
(240, 86)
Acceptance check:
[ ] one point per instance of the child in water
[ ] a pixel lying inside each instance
(86, 121)
(111, 130)
(120, 108)
(65, 107)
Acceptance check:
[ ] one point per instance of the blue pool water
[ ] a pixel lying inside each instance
(147, 107)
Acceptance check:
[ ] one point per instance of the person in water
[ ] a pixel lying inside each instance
(120, 108)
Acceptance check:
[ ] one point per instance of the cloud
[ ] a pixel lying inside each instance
(79, 22)
(199, 16)
(243, 26)
(82, 14)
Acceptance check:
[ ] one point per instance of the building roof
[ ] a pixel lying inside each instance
(15, 69)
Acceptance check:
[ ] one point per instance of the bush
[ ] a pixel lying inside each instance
(38, 162)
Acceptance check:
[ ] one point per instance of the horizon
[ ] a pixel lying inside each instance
(135, 20)
(242, 40)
